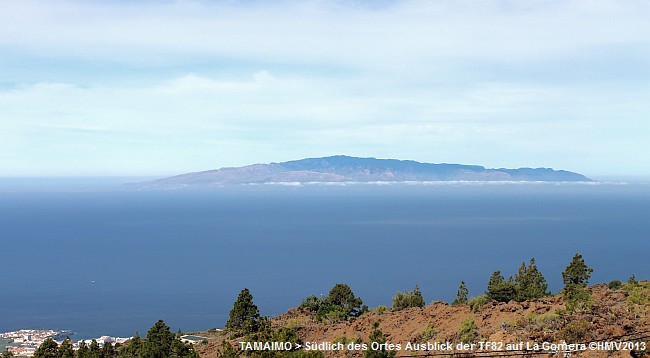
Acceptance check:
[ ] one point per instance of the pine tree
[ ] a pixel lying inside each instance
(227, 351)
(82, 352)
(378, 336)
(531, 284)
(158, 341)
(577, 273)
(538, 287)
(93, 350)
(632, 281)
(182, 349)
(132, 349)
(495, 280)
(416, 298)
(244, 316)
(48, 349)
(575, 277)
(108, 351)
(341, 295)
(501, 290)
(65, 349)
(521, 282)
(461, 295)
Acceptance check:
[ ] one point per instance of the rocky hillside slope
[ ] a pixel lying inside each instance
(616, 315)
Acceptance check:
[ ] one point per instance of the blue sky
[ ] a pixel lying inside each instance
(165, 87)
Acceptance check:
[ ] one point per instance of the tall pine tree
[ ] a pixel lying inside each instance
(461, 295)
(244, 316)
(158, 342)
(577, 273)
(575, 292)
(65, 349)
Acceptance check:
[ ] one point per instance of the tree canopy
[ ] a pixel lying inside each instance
(528, 284)
(244, 316)
(577, 273)
(575, 292)
(339, 305)
(48, 349)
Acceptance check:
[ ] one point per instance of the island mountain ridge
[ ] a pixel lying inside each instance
(343, 168)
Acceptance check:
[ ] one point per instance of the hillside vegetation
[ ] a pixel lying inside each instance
(519, 309)
(512, 316)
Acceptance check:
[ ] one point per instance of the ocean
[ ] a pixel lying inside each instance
(111, 261)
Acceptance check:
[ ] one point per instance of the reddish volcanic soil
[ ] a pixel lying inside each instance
(615, 316)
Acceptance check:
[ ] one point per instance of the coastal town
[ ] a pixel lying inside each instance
(23, 343)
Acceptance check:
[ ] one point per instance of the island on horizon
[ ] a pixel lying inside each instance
(341, 168)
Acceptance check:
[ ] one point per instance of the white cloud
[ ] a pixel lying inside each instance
(408, 33)
(485, 82)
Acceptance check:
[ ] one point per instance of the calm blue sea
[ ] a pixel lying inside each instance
(114, 261)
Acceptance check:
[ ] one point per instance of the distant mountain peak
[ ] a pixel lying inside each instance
(343, 168)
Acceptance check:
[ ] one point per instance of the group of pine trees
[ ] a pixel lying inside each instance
(340, 304)
(159, 343)
(527, 284)
(530, 284)
(245, 320)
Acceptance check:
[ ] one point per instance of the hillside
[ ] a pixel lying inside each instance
(352, 169)
(616, 315)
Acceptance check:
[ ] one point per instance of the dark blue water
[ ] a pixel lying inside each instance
(114, 262)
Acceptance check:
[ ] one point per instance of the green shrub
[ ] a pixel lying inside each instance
(615, 285)
(467, 332)
(428, 332)
(546, 318)
(638, 295)
(632, 281)
(341, 339)
(574, 332)
(227, 351)
(577, 298)
(537, 322)
(312, 303)
(333, 314)
(404, 300)
(477, 302)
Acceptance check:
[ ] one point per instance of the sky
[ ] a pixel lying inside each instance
(102, 88)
